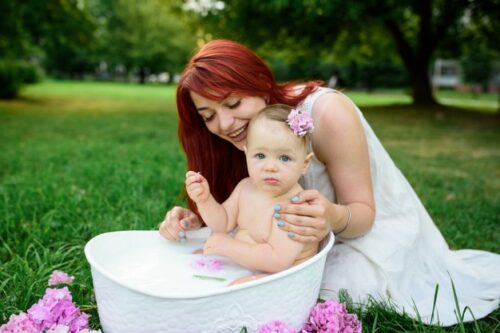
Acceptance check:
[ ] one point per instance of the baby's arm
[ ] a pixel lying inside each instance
(279, 253)
(220, 218)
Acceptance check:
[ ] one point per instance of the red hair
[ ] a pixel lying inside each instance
(219, 69)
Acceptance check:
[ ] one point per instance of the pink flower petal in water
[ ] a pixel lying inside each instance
(208, 265)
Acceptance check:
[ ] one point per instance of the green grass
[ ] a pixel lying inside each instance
(81, 158)
(488, 103)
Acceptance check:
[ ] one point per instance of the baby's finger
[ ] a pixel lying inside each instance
(192, 180)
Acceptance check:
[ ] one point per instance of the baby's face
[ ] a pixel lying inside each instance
(276, 158)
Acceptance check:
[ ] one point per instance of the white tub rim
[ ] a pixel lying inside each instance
(174, 295)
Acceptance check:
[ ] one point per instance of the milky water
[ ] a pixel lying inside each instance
(173, 268)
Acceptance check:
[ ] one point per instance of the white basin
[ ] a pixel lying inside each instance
(144, 283)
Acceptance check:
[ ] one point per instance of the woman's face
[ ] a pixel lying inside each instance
(229, 118)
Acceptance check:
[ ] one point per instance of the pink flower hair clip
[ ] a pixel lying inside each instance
(300, 122)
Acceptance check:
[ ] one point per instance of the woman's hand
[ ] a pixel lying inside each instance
(177, 221)
(307, 217)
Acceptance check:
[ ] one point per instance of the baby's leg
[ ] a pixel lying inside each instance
(247, 278)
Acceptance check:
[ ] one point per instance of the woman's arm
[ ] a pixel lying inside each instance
(340, 143)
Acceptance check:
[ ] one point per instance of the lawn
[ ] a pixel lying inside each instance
(80, 158)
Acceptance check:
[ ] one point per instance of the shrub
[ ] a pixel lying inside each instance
(15, 73)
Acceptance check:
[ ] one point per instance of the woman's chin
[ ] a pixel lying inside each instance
(239, 144)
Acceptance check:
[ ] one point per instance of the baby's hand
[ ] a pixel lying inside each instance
(217, 243)
(197, 187)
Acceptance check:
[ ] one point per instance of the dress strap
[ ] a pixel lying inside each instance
(307, 104)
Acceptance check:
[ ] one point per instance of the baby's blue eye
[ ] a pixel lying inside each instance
(284, 158)
(260, 156)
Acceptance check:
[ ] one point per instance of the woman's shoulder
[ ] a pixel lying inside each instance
(333, 106)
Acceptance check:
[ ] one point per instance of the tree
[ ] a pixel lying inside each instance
(147, 37)
(417, 28)
(49, 33)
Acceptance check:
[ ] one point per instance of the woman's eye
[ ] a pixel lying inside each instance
(260, 156)
(235, 105)
(207, 119)
(284, 158)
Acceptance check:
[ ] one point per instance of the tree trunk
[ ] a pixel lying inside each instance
(142, 75)
(422, 93)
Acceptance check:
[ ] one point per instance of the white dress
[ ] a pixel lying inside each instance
(404, 256)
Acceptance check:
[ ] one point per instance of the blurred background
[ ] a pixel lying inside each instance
(417, 46)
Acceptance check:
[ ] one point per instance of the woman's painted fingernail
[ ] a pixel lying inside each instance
(183, 239)
(295, 198)
(281, 224)
(277, 207)
(277, 215)
(291, 234)
(182, 234)
(184, 223)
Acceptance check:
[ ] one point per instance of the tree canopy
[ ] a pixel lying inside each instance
(418, 29)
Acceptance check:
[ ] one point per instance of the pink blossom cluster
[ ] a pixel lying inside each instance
(59, 277)
(276, 326)
(331, 317)
(300, 122)
(327, 317)
(56, 308)
(208, 265)
(55, 312)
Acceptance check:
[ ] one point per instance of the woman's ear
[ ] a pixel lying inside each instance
(307, 161)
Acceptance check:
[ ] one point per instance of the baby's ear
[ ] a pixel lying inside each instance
(307, 161)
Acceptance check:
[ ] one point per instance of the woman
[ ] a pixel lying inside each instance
(387, 245)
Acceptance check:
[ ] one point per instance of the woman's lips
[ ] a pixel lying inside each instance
(238, 135)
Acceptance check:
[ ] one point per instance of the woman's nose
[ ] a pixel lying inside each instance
(226, 119)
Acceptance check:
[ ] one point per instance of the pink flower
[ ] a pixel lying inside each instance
(208, 265)
(300, 122)
(20, 323)
(56, 308)
(331, 317)
(59, 277)
(276, 326)
(58, 329)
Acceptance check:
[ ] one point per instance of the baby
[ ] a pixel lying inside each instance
(277, 155)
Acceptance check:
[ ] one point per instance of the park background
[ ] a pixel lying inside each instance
(88, 140)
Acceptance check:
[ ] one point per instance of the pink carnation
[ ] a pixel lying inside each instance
(331, 317)
(59, 277)
(300, 122)
(208, 265)
(276, 326)
(20, 323)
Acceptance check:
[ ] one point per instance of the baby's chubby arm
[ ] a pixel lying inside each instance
(219, 217)
(278, 254)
